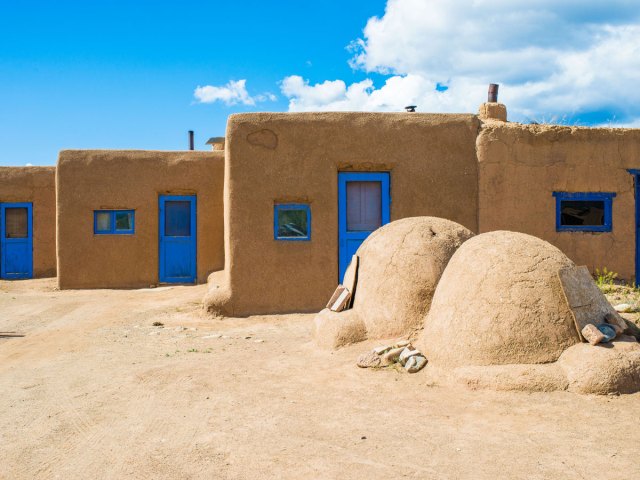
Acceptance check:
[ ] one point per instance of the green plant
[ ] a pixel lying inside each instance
(605, 279)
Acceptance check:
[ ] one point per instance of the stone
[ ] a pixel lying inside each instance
(592, 334)
(381, 350)
(415, 363)
(214, 335)
(369, 359)
(406, 354)
(615, 319)
(402, 343)
(623, 307)
(392, 356)
(179, 329)
(619, 331)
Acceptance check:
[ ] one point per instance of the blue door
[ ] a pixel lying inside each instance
(178, 239)
(16, 240)
(363, 206)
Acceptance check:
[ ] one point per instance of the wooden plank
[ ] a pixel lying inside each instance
(587, 303)
(342, 301)
(351, 278)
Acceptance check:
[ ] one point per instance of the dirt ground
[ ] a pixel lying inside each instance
(93, 390)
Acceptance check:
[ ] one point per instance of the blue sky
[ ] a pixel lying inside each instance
(121, 74)
(140, 74)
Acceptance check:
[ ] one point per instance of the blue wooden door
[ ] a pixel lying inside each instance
(363, 206)
(16, 240)
(178, 239)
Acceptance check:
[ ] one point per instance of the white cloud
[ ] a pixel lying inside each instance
(551, 58)
(233, 93)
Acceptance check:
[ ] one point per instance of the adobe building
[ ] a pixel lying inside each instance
(272, 220)
(303, 190)
(575, 187)
(27, 222)
(130, 219)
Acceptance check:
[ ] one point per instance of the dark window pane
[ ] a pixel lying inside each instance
(292, 223)
(582, 212)
(16, 223)
(177, 218)
(364, 206)
(124, 220)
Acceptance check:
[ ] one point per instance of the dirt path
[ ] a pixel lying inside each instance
(94, 391)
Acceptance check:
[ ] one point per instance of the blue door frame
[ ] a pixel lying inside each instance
(636, 182)
(178, 245)
(349, 241)
(16, 254)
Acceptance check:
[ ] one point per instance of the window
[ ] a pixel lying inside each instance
(16, 223)
(583, 212)
(113, 222)
(292, 222)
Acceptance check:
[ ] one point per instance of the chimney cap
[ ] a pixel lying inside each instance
(214, 140)
(411, 108)
(493, 93)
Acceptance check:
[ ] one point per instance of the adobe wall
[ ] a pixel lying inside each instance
(35, 185)
(89, 180)
(520, 166)
(284, 157)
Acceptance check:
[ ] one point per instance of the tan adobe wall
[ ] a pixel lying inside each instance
(35, 185)
(91, 180)
(520, 166)
(284, 157)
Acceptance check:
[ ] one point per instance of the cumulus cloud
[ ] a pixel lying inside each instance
(576, 57)
(233, 93)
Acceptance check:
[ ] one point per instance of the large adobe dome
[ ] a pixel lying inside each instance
(400, 265)
(499, 302)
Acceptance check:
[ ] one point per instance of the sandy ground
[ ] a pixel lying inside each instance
(92, 390)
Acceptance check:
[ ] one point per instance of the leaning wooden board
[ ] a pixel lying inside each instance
(351, 278)
(586, 302)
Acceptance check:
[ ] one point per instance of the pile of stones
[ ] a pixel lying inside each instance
(401, 352)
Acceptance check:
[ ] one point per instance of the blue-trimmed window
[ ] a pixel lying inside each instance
(292, 222)
(113, 222)
(583, 211)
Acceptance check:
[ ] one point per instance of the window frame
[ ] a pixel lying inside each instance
(606, 197)
(291, 206)
(112, 222)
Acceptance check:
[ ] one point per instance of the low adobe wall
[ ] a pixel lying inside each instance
(295, 158)
(89, 180)
(520, 166)
(36, 185)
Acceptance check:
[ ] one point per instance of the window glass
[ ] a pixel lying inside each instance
(177, 218)
(103, 221)
(16, 223)
(582, 212)
(124, 220)
(292, 223)
(364, 206)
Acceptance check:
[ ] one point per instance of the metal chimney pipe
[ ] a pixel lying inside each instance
(493, 93)
(191, 142)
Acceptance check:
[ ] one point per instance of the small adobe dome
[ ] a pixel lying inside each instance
(608, 368)
(400, 265)
(500, 302)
